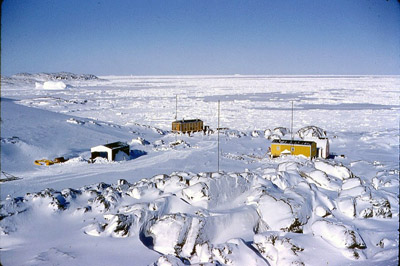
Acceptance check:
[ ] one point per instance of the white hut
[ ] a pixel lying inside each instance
(115, 151)
(319, 136)
(322, 147)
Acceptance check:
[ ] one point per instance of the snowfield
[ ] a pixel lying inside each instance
(168, 204)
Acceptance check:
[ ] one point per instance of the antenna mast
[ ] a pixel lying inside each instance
(218, 131)
(176, 116)
(291, 126)
(176, 106)
(291, 131)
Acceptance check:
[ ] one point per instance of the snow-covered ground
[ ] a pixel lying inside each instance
(169, 203)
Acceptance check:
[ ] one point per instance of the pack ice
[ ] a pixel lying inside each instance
(167, 204)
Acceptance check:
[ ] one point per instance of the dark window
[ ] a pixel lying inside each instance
(99, 154)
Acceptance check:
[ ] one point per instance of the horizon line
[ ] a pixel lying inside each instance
(205, 75)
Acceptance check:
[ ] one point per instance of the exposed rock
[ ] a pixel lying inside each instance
(321, 211)
(367, 213)
(70, 193)
(99, 203)
(118, 225)
(256, 133)
(123, 185)
(11, 206)
(381, 208)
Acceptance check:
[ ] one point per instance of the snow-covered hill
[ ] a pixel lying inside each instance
(47, 81)
(53, 76)
(168, 203)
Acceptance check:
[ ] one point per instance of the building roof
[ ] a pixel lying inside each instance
(295, 142)
(116, 145)
(187, 121)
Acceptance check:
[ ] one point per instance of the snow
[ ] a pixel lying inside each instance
(51, 85)
(167, 204)
(338, 235)
(338, 171)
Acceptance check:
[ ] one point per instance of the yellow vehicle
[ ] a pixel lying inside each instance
(44, 162)
(293, 147)
(50, 162)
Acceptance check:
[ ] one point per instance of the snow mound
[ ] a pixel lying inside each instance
(281, 131)
(338, 235)
(171, 232)
(282, 217)
(335, 170)
(51, 85)
(311, 132)
(182, 236)
(321, 179)
(278, 250)
(236, 252)
(168, 260)
(232, 133)
(75, 121)
(216, 191)
(179, 144)
(140, 141)
(267, 133)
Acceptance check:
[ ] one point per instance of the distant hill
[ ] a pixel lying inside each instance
(55, 76)
(30, 80)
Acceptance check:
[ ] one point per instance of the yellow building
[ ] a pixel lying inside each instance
(185, 126)
(293, 147)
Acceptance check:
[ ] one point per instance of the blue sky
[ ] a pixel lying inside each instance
(189, 37)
